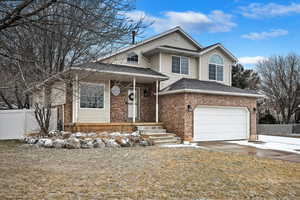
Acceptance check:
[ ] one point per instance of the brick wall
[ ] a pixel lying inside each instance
(176, 118)
(119, 106)
(68, 105)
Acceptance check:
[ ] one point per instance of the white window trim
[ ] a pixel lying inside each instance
(79, 98)
(223, 65)
(133, 63)
(180, 64)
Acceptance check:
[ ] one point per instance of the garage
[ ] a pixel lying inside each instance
(220, 123)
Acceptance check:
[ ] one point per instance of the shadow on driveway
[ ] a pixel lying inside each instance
(263, 153)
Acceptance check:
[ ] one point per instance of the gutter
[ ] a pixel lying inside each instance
(211, 92)
(121, 73)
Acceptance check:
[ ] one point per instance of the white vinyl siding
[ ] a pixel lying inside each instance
(94, 115)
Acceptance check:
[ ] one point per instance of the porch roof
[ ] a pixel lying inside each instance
(120, 70)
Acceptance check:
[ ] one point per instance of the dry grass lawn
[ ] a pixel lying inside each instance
(142, 173)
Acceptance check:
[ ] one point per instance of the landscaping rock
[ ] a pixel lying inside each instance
(78, 135)
(98, 143)
(111, 143)
(115, 134)
(59, 143)
(86, 144)
(146, 142)
(32, 141)
(135, 139)
(73, 143)
(91, 134)
(124, 142)
(48, 143)
(54, 133)
(136, 133)
(66, 135)
(41, 142)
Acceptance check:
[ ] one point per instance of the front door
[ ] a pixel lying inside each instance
(130, 103)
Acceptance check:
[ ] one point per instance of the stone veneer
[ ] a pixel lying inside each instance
(173, 111)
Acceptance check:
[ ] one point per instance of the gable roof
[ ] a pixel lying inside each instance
(213, 46)
(177, 28)
(208, 87)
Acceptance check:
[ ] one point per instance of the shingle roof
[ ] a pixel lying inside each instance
(104, 67)
(207, 47)
(194, 84)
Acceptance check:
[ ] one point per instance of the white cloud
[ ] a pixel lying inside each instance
(265, 34)
(258, 10)
(194, 22)
(251, 60)
(137, 15)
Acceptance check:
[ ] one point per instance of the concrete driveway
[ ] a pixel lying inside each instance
(263, 153)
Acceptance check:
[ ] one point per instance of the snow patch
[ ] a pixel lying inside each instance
(287, 144)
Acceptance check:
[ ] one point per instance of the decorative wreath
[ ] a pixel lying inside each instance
(130, 96)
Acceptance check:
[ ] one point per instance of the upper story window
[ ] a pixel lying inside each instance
(180, 65)
(216, 68)
(91, 95)
(132, 58)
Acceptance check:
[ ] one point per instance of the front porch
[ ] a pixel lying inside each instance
(108, 127)
(103, 99)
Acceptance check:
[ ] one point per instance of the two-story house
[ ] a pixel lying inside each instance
(169, 80)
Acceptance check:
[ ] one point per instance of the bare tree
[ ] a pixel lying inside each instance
(15, 13)
(80, 31)
(280, 81)
(70, 32)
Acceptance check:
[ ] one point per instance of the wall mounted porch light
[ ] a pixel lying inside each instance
(189, 108)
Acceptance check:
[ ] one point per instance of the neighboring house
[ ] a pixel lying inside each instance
(176, 81)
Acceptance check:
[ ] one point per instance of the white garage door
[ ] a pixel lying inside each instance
(220, 123)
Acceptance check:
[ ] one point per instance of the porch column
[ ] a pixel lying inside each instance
(134, 101)
(76, 97)
(156, 100)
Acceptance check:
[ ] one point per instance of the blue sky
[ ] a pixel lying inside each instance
(252, 30)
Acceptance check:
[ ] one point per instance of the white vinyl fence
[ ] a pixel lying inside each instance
(15, 123)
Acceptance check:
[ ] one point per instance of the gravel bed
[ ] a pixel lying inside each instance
(142, 173)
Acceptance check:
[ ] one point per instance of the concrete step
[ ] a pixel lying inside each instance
(153, 131)
(157, 134)
(139, 128)
(166, 137)
(168, 141)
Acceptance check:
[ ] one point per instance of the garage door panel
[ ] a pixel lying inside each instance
(226, 123)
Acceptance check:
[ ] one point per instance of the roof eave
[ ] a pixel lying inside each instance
(177, 28)
(195, 54)
(223, 48)
(211, 92)
(121, 73)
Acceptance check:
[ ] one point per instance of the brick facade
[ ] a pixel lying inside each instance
(68, 106)
(119, 106)
(176, 118)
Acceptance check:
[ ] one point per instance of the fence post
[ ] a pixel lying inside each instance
(24, 121)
